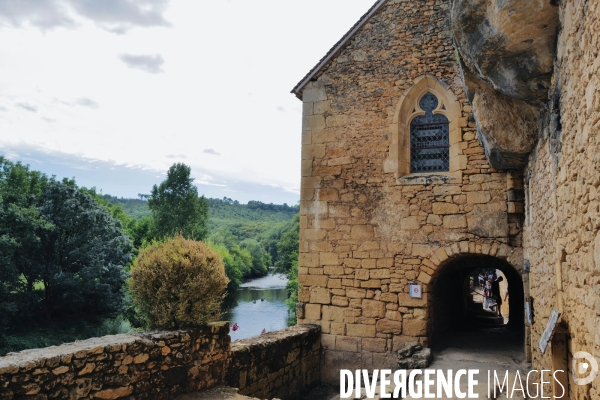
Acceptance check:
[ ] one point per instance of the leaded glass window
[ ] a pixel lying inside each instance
(429, 139)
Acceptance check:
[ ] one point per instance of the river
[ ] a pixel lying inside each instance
(258, 304)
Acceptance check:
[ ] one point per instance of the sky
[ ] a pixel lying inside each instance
(114, 92)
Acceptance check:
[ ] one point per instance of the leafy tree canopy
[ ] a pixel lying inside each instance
(61, 252)
(176, 207)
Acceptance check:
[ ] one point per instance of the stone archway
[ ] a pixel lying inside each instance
(441, 264)
(450, 307)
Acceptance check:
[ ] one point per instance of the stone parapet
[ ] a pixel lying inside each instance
(152, 365)
(165, 365)
(279, 364)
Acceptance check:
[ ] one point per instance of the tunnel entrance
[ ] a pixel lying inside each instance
(462, 309)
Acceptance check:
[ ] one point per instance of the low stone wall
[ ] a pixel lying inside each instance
(136, 366)
(279, 364)
(163, 365)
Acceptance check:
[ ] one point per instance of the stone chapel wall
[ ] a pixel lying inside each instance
(368, 227)
(561, 237)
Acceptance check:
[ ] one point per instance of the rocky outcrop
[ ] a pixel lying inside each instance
(414, 356)
(508, 43)
(508, 127)
(507, 53)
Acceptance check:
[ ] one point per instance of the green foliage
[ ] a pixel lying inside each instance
(233, 267)
(176, 207)
(135, 208)
(62, 254)
(288, 245)
(178, 283)
(292, 288)
(261, 260)
(66, 332)
(238, 260)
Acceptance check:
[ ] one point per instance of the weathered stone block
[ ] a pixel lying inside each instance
(312, 311)
(455, 221)
(362, 231)
(375, 345)
(339, 301)
(389, 326)
(320, 295)
(478, 197)
(347, 343)
(329, 259)
(488, 221)
(373, 308)
(360, 330)
(406, 301)
(313, 280)
(445, 208)
(414, 327)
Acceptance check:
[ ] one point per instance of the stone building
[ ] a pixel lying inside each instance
(426, 129)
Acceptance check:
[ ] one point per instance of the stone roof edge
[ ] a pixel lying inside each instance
(297, 90)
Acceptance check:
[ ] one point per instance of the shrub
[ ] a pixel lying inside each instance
(178, 283)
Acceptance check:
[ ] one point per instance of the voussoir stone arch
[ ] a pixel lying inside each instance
(408, 108)
(434, 257)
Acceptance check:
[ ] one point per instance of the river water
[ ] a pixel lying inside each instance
(258, 304)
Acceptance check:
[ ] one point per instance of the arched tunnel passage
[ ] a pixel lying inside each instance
(457, 303)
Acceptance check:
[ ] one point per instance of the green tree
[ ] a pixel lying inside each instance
(287, 249)
(261, 260)
(61, 253)
(84, 254)
(288, 245)
(238, 263)
(233, 268)
(176, 207)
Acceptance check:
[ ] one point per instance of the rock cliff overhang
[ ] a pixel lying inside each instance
(507, 50)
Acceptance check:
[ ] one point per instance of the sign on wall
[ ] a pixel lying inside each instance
(415, 290)
(549, 330)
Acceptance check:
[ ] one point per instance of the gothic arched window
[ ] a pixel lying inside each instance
(429, 138)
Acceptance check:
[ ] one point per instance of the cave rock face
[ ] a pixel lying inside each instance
(507, 127)
(508, 43)
(507, 53)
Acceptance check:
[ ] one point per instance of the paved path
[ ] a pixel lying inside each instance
(486, 350)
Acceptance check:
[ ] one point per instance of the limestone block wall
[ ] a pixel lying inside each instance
(561, 238)
(368, 226)
(281, 364)
(141, 366)
(164, 365)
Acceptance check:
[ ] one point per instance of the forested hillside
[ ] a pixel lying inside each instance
(256, 220)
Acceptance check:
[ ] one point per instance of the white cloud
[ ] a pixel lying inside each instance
(148, 63)
(226, 86)
(27, 107)
(116, 16)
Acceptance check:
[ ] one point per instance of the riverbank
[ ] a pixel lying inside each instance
(258, 304)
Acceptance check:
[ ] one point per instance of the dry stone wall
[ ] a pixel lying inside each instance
(281, 364)
(561, 236)
(164, 365)
(135, 366)
(368, 228)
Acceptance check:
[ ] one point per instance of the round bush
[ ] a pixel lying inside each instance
(178, 283)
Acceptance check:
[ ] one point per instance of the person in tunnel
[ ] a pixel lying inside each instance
(496, 295)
